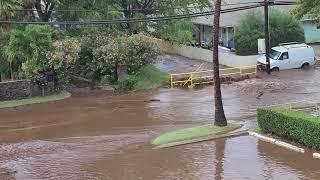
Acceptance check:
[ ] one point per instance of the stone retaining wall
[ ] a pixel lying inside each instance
(22, 89)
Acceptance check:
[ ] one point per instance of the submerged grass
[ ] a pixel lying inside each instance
(188, 134)
(148, 78)
(34, 100)
(255, 129)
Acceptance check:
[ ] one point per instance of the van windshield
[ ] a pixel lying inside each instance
(274, 54)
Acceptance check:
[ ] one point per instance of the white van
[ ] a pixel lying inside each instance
(289, 56)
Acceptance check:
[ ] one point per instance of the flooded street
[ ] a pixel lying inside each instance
(98, 136)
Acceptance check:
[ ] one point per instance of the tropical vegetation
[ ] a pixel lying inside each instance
(283, 28)
(93, 51)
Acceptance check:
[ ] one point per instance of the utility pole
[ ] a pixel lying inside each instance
(266, 34)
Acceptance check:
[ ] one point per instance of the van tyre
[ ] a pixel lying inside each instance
(305, 66)
(275, 69)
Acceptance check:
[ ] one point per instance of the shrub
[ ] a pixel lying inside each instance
(4, 64)
(297, 126)
(63, 55)
(133, 51)
(141, 52)
(127, 82)
(283, 28)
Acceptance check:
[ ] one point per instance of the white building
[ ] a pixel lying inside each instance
(228, 21)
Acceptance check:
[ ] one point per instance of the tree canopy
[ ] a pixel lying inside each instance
(283, 28)
(310, 8)
(7, 11)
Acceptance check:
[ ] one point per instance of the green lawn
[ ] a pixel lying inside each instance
(193, 133)
(34, 100)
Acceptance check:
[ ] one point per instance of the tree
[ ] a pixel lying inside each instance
(126, 9)
(219, 118)
(283, 28)
(134, 51)
(27, 49)
(309, 8)
(145, 8)
(7, 11)
(179, 31)
(63, 55)
(44, 9)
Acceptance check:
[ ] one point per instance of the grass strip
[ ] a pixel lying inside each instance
(34, 100)
(190, 134)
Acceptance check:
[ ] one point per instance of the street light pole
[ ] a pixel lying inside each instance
(266, 34)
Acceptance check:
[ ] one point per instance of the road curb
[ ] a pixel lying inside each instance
(278, 143)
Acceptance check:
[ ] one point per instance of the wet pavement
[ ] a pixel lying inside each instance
(99, 136)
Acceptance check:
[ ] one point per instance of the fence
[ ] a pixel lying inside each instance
(206, 77)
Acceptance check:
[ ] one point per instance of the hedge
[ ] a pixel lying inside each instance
(297, 126)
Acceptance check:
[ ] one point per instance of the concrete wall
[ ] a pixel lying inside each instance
(22, 89)
(227, 59)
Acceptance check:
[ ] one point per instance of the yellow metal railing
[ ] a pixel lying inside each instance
(206, 76)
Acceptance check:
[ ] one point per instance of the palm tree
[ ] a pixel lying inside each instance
(220, 118)
(7, 11)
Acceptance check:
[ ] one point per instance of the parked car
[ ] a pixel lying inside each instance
(289, 56)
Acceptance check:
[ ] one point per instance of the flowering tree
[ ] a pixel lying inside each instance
(63, 55)
(133, 51)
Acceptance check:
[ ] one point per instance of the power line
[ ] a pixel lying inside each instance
(151, 9)
(140, 20)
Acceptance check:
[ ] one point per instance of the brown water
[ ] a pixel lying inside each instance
(98, 136)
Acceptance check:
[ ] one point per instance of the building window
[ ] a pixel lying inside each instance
(224, 30)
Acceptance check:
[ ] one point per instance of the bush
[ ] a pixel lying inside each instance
(297, 126)
(283, 28)
(133, 51)
(128, 82)
(4, 64)
(63, 55)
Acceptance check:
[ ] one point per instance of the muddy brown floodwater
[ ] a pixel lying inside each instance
(97, 136)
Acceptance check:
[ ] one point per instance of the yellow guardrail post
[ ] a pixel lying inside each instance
(171, 81)
(191, 80)
(256, 69)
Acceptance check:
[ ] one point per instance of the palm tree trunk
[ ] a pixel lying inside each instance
(220, 157)
(220, 118)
